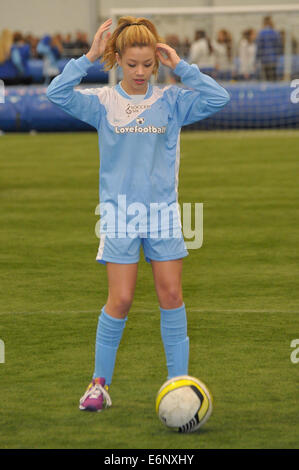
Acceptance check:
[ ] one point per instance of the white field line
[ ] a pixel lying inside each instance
(240, 133)
(188, 309)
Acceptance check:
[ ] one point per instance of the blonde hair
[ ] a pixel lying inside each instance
(131, 32)
(6, 41)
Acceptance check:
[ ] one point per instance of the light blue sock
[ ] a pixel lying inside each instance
(109, 333)
(175, 340)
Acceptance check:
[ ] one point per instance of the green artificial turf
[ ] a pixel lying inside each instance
(240, 291)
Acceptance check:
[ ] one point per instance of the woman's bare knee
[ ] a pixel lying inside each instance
(119, 305)
(170, 298)
(121, 281)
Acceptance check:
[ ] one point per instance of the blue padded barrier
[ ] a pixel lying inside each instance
(95, 73)
(252, 106)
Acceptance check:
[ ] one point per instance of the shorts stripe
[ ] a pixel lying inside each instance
(101, 247)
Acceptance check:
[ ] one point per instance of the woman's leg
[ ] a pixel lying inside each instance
(168, 285)
(121, 286)
(168, 282)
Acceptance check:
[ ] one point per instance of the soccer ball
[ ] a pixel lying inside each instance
(184, 403)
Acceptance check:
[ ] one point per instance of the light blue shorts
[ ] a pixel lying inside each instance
(127, 250)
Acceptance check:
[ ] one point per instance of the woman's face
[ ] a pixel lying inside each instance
(221, 36)
(252, 35)
(137, 64)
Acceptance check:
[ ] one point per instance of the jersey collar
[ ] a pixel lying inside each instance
(122, 92)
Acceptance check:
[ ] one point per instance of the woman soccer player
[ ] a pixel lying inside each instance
(139, 128)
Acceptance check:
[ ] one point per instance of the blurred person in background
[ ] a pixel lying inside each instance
(222, 47)
(81, 43)
(294, 43)
(33, 42)
(7, 69)
(269, 49)
(202, 52)
(67, 45)
(20, 55)
(14, 56)
(50, 48)
(167, 75)
(185, 48)
(247, 54)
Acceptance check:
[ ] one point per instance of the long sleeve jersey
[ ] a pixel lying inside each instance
(139, 144)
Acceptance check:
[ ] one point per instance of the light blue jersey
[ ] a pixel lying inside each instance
(139, 141)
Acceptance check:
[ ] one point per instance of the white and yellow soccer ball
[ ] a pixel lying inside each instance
(184, 403)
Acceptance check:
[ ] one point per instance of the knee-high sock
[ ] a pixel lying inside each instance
(109, 333)
(175, 340)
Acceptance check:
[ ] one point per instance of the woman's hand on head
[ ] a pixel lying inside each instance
(172, 58)
(99, 43)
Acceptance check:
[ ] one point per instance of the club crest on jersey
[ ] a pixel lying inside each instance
(136, 108)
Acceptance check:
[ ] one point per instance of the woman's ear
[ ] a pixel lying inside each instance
(118, 59)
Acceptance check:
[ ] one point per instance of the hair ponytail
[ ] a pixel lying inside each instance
(131, 32)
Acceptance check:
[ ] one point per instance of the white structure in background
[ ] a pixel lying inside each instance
(183, 13)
